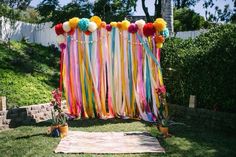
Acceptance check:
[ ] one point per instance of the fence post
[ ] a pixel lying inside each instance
(3, 103)
(192, 101)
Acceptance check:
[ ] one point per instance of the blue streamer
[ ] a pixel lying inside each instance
(148, 51)
(130, 67)
(148, 82)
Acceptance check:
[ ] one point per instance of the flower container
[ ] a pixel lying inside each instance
(164, 130)
(63, 130)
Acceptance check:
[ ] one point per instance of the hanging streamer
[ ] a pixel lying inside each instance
(112, 70)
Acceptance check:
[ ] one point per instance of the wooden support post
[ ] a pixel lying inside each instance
(192, 101)
(3, 103)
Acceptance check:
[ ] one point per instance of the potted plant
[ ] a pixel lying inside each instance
(163, 127)
(59, 119)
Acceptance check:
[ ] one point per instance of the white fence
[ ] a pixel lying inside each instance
(45, 35)
(34, 33)
(190, 34)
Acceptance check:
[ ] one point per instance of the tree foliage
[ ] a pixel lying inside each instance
(219, 15)
(16, 4)
(113, 10)
(184, 3)
(186, 20)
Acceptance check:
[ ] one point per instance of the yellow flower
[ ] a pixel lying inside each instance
(97, 20)
(74, 22)
(125, 24)
(113, 24)
(159, 24)
(159, 45)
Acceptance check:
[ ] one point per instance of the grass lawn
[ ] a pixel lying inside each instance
(186, 141)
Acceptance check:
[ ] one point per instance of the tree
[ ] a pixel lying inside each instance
(186, 19)
(113, 10)
(157, 5)
(10, 15)
(185, 3)
(233, 17)
(16, 4)
(51, 11)
(219, 14)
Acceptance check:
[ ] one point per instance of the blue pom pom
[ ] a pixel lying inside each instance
(83, 24)
(165, 33)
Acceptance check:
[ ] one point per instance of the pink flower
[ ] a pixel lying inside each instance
(161, 90)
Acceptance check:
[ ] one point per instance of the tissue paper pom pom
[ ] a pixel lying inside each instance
(165, 33)
(108, 27)
(113, 24)
(119, 25)
(140, 24)
(83, 24)
(97, 20)
(87, 32)
(125, 24)
(159, 39)
(61, 39)
(133, 28)
(160, 24)
(72, 31)
(66, 26)
(148, 29)
(58, 29)
(103, 24)
(92, 26)
(159, 45)
(74, 22)
(62, 46)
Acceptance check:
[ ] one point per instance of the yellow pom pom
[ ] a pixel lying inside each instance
(74, 22)
(97, 20)
(159, 45)
(159, 24)
(113, 24)
(125, 24)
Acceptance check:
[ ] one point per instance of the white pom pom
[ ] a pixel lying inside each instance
(66, 26)
(61, 39)
(140, 24)
(92, 26)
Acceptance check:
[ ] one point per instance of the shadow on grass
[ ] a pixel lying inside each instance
(93, 122)
(30, 136)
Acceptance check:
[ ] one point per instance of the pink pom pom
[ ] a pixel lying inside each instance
(62, 46)
(108, 27)
(133, 28)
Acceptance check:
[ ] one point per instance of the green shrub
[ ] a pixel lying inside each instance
(28, 73)
(205, 67)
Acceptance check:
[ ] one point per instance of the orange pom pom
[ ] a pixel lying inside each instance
(119, 25)
(159, 39)
(103, 24)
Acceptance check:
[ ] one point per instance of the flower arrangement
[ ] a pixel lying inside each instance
(59, 118)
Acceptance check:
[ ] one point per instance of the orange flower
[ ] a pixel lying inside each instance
(159, 39)
(119, 25)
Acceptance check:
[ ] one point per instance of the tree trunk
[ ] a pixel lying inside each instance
(158, 7)
(145, 9)
(167, 13)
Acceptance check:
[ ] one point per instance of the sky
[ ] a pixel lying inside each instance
(149, 3)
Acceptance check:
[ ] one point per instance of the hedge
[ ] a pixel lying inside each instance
(205, 67)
